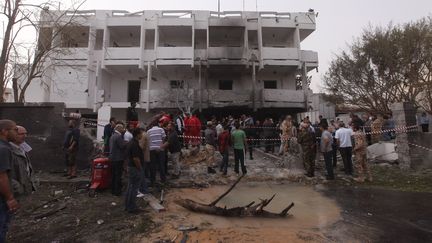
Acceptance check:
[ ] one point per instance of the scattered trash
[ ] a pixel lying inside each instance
(113, 204)
(100, 221)
(187, 228)
(58, 192)
(161, 197)
(369, 214)
(45, 206)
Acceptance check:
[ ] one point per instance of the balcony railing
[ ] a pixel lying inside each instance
(175, 53)
(79, 53)
(283, 98)
(309, 56)
(123, 53)
(276, 53)
(225, 53)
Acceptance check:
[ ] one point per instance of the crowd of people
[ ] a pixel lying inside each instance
(143, 150)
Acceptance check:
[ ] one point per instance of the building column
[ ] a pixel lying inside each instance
(199, 87)
(254, 107)
(260, 42)
(297, 41)
(142, 44)
(106, 42)
(193, 41)
(149, 74)
(404, 115)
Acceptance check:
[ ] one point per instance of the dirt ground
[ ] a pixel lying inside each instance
(76, 217)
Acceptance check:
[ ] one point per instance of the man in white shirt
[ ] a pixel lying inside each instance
(127, 136)
(343, 137)
(157, 154)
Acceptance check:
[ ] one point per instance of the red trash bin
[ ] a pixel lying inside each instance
(101, 175)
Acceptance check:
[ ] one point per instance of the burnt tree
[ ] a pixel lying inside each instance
(250, 209)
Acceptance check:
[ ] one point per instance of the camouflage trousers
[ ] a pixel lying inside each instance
(361, 165)
(210, 155)
(309, 161)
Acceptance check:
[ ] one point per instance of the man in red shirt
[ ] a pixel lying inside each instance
(193, 128)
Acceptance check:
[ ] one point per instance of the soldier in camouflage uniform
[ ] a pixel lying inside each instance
(376, 127)
(307, 140)
(360, 155)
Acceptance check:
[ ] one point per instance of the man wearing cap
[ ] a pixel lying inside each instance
(210, 138)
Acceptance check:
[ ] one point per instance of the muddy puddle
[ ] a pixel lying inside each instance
(311, 213)
(311, 210)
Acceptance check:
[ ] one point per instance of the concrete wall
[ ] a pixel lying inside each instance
(69, 84)
(46, 128)
(423, 158)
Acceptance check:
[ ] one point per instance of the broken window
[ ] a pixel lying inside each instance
(134, 90)
(278, 37)
(270, 84)
(177, 84)
(125, 36)
(225, 84)
(175, 36)
(226, 36)
(75, 36)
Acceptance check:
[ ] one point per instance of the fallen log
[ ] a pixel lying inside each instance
(251, 209)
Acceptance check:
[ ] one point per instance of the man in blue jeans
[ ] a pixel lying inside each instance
(8, 203)
(326, 149)
(156, 136)
(135, 157)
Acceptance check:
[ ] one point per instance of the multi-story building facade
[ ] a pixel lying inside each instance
(166, 59)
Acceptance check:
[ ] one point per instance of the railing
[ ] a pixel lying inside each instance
(225, 52)
(280, 95)
(78, 53)
(277, 53)
(175, 53)
(309, 56)
(123, 53)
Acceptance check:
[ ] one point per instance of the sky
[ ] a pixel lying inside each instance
(339, 22)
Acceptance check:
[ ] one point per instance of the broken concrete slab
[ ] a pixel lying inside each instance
(382, 151)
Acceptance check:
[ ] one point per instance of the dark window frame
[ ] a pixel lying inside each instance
(226, 84)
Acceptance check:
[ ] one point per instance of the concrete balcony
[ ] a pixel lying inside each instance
(279, 98)
(276, 53)
(122, 56)
(73, 53)
(310, 57)
(166, 98)
(123, 53)
(236, 53)
(221, 98)
(175, 55)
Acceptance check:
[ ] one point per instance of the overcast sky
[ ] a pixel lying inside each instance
(338, 22)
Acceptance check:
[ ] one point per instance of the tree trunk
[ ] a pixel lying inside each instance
(252, 209)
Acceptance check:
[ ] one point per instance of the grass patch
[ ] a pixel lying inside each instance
(401, 180)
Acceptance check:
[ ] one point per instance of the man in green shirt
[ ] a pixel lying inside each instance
(238, 138)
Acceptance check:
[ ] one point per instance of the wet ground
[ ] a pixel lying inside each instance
(339, 211)
(378, 215)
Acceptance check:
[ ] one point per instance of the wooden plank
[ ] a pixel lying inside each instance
(154, 203)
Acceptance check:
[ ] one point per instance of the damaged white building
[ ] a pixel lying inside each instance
(211, 61)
